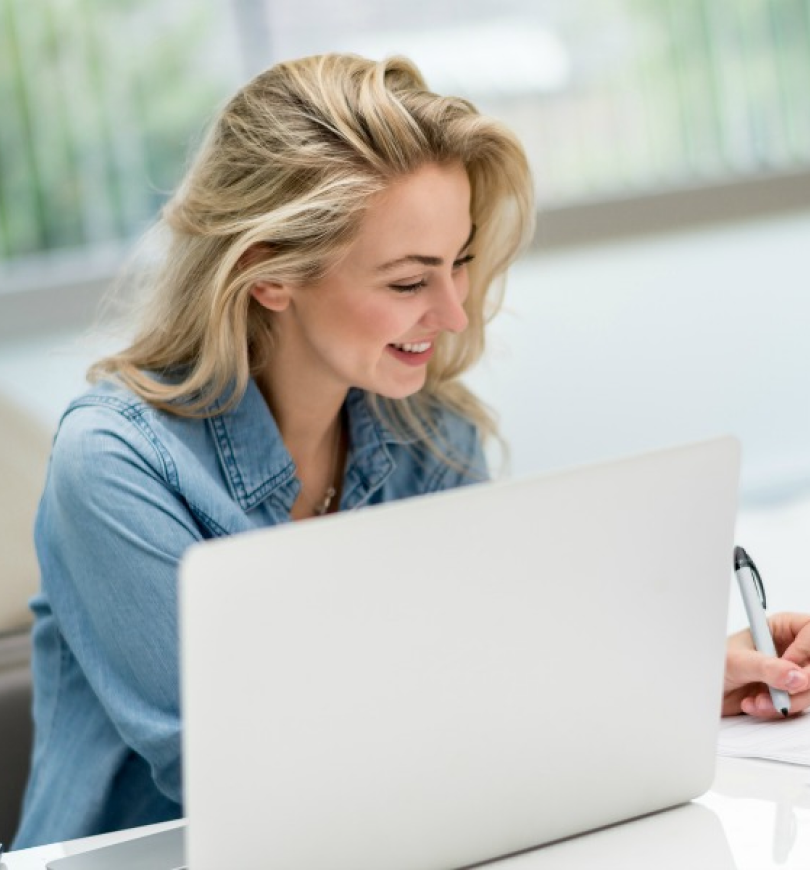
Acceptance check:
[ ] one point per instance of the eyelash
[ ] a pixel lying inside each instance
(414, 288)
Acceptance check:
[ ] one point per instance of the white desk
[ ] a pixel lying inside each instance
(34, 859)
(756, 817)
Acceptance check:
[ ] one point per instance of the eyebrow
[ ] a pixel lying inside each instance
(423, 259)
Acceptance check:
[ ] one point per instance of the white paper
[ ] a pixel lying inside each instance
(778, 740)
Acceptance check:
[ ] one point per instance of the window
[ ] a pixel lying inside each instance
(612, 98)
(100, 100)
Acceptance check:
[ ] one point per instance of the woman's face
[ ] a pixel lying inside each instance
(373, 321)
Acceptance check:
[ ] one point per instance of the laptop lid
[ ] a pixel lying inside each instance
(440, 681)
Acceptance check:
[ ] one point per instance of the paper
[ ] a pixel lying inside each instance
(778, 740)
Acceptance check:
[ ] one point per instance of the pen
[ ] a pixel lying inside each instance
(753, 595)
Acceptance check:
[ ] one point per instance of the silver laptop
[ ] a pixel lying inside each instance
(442, 681)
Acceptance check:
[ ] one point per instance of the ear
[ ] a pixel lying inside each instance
(271, 295)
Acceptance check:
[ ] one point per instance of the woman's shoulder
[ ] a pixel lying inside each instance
(110, 422)
(110, 402)
(105, 408)
(112, 425)
(111, 395)
(102, 423)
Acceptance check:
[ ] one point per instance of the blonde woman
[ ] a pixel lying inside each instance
(328, 266)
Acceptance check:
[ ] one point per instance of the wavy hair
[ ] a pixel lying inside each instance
(288, 168)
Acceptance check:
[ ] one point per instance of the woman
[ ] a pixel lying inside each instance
(330, 261)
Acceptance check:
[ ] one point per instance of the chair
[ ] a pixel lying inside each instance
(24, 448)
(15, 728)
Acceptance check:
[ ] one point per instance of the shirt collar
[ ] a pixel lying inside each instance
(252, 455)
(256, 462)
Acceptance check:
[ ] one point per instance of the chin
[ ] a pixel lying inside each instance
(394, 384)
(400, 391)
(396, 395)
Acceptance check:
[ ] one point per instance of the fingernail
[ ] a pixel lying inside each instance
(796, 680)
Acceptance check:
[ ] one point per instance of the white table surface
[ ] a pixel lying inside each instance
(755, 817)
(34, 859)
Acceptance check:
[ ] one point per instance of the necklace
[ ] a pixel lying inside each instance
(321, 507)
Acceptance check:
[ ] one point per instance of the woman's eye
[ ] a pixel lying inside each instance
(418, 285)
(408, 288)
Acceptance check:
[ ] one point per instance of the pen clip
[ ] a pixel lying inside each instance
(758, 583)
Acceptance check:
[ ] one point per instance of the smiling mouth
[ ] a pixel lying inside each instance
(413, 347)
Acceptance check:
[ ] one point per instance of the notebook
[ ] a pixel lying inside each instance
(442, 681)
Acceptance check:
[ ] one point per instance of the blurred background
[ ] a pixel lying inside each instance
(665, 298)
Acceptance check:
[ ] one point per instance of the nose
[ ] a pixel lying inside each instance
(447, 310)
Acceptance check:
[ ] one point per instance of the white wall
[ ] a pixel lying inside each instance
(624, 347)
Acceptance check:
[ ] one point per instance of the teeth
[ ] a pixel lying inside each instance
(419, 347)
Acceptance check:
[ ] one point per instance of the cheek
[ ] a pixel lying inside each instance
(383, 324)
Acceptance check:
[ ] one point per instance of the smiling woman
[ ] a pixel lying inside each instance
(328, 266)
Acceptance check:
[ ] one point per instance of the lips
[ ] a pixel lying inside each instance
(412, 353)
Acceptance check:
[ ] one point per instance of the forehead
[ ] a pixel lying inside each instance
(426, 212)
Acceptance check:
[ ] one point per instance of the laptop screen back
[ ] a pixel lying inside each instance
(437, 682)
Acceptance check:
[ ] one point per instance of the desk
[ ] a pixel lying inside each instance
(755, 817)
(34, 859)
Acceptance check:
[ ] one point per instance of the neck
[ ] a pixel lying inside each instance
(312, 431)
(307, 419)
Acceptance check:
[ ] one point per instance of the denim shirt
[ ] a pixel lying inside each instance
(129, 488)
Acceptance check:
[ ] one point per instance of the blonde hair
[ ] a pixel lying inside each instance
(288, 169)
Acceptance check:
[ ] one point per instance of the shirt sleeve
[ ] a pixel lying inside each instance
(110, 534)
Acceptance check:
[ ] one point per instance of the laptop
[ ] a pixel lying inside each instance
(443, 681)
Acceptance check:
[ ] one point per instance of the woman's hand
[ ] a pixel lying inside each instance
(749, 673)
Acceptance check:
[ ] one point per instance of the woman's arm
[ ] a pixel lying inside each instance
(110, 534)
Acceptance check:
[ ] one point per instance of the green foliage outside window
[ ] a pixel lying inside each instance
(100, 99)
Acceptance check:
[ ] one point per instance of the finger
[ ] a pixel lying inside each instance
(748, 666)
(761, 705)
(799, 650)
(740, 640)
(799, 702)
(792, 635)
(732, 701)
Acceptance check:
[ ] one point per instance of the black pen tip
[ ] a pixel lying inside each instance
(784, 711)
